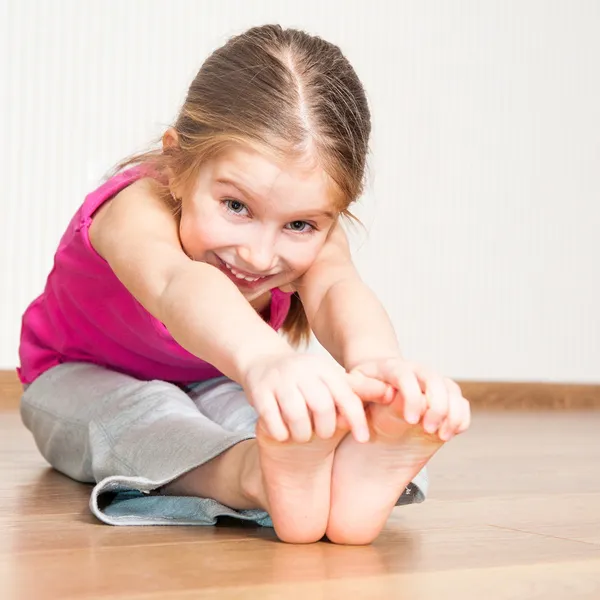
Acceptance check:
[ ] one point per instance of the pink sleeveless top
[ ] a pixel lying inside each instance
(86, 314)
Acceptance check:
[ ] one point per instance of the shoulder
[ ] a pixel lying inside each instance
(137, 206)
(336, 248)
(333, 264)
(334, 258)
(137, 234)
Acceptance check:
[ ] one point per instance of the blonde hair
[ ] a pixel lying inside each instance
(283, 92)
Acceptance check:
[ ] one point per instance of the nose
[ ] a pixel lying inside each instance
(259, 254)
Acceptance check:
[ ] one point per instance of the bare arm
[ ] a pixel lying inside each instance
(352, 324)
(345, 315)
(137, 235)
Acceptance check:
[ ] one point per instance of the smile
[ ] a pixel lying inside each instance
(241, 274)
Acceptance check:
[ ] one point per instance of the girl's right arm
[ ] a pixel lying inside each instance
(137, 234)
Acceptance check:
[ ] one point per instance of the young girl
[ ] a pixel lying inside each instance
(151, 363)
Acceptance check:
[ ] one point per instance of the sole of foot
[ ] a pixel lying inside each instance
(368, 479)
(297, 484)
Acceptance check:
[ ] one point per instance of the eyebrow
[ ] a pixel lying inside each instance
(248, 194)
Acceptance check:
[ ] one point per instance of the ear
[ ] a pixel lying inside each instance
(170, 140)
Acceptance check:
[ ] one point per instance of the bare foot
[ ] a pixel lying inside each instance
(368, 479)
(297, 483)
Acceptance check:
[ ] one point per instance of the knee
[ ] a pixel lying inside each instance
(62, 443)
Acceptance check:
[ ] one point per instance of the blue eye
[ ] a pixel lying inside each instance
(300, 226)
(235, 206)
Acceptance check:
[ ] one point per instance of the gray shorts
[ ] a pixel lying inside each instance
(131, 437)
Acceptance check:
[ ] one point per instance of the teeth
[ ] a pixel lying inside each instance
(240, 275)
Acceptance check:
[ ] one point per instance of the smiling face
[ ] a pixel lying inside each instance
(261, 222)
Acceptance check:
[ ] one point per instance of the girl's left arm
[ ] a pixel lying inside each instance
(344, 314)
(353, 326)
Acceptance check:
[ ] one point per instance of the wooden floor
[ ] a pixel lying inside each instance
(514, 513)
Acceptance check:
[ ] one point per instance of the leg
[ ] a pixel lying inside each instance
(232, 478)
(295, 478)
(96, 425)
(297, 482)
(369, 478)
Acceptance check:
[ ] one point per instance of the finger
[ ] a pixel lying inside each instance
(267, 408)
(322, 406)
(436, 395)
(350, 406)
(451, 423)
(369, 389)
(466, 416)
(409, 392)
(401, 377)
(342, 422)
(463, 412)
(295, 414)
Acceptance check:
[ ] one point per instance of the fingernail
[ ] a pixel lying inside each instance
(412, 418)
(362, 436)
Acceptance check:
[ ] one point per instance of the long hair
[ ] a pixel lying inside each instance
(283, 92)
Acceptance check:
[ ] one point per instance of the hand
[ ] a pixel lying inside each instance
(426, 396)
(292, 392)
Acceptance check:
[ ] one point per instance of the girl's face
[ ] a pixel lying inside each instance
(260, 222)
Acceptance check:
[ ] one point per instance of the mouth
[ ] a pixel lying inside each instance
(242, 278)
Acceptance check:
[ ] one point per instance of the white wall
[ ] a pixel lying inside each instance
(483, 210)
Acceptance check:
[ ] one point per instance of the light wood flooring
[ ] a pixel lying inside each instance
(514, 513)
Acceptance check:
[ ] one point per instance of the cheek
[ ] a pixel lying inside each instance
(300, 256)
(201, 233)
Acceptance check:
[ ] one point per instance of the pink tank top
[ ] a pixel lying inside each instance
(86, 314)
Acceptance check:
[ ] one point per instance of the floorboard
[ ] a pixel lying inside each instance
(513, 513)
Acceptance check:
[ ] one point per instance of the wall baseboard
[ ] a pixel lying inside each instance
(10, 390)
(504, 395)
(487, 395)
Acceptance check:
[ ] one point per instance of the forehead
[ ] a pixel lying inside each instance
(295, 185)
